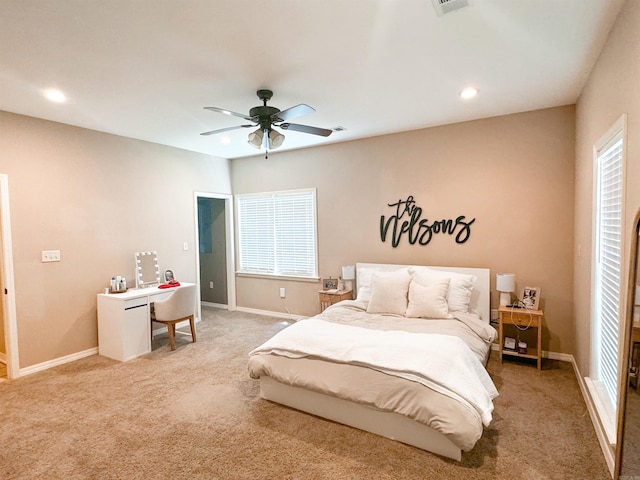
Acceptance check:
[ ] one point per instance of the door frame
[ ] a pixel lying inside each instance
(229, 240)
(8, 282)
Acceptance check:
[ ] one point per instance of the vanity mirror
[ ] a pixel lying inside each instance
(147, 269)
(628, 444)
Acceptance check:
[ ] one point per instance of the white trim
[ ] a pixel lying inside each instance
(58, 361)
(562, 357)
(229, 238)
(269, 313)
(607, 451)
(8, 282)
(215, 305)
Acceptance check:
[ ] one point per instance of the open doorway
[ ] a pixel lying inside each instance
(214, 233)
(8, 321)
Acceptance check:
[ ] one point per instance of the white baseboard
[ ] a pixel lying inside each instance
(268, 313)
(595, 419)
(215, 305)
(57, 361)
(563, 357)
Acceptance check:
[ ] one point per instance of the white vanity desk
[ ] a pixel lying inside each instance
(124, 321)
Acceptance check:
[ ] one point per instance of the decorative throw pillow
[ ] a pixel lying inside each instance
(364, 284)
(428, 301)
(389, 292)
(460, 285)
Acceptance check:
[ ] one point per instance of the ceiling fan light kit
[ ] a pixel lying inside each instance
(265, 117)
(255, 139)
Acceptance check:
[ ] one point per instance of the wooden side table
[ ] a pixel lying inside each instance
(521, 318)
(329, 297)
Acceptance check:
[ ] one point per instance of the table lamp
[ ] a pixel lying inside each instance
(505, 284)
(348, 275)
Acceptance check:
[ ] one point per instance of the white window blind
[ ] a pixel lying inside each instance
(277, 233)
(609, 192)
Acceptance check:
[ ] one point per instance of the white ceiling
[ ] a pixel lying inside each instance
(145, 68)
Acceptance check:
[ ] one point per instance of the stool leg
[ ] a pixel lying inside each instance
(171, 328)
(192, 322)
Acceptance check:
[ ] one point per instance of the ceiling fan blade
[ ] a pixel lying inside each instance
(229, 112)
(220, 130)
(292, 112)
(323, 132)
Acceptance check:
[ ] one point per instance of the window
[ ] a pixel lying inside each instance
(608, 221)
(277, 233)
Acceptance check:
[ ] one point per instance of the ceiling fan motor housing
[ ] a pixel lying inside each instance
(263, 115)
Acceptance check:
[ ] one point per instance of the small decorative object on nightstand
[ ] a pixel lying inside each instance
(329, 297)
(520, 319)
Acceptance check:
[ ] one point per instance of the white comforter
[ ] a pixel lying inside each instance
(441, 362)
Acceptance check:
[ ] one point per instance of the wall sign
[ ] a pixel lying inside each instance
(407, 220)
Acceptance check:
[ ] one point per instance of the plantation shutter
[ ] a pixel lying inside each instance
(608, 268)
(277, 233)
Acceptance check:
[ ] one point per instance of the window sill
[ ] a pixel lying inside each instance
(604, 408)
(277, 277)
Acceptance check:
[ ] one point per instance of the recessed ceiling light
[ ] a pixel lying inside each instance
(225, 140)
(55, 95)
(469, 92)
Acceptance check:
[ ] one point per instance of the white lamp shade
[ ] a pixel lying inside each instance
(348, 272)
(505, 282)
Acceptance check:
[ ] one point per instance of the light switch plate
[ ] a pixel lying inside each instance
(50, 256)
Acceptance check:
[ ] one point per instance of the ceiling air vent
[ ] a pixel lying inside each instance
(447, 6)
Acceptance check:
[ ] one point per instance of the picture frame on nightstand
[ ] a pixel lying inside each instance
(530, 298)
(329, 283)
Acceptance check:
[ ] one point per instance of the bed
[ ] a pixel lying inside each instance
(406, 359)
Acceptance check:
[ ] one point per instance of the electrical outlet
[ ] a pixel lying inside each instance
(50, 256)
(210, 284)
(282, 292)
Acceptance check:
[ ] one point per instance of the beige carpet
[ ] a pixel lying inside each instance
(195, 414)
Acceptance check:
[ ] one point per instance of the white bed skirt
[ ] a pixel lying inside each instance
(387, 424)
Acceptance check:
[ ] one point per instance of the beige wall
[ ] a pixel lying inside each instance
(513, 174)
(97, 198)
(612, 90)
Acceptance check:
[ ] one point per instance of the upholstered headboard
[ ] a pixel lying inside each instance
(480, 295)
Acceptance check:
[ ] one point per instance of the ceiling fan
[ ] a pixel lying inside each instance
(265, 118)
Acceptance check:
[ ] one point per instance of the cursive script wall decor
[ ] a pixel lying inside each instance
(407, 220)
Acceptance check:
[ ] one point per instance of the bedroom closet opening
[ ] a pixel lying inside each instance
(8, 327)
(3, 348)
(215, 250)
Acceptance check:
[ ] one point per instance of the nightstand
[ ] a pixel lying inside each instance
(329, 297)
(514, 319)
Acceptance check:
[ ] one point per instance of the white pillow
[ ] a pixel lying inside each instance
(365, 274)
(428, 301)
(389, 292)
(364, 284)
(460, 285)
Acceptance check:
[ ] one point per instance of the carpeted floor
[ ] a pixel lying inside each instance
(195, 414)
